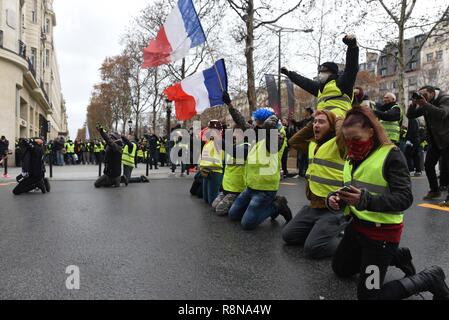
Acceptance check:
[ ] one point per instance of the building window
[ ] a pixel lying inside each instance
(34, 12)
(383, 60)
(439, 55)
(429, 57)
(413, 65)
(412, 81)
(33, 56)
(395, 84)
(383, 72)
(47, 58)
(47, 26)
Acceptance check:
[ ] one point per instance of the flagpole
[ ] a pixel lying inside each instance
(215, 66)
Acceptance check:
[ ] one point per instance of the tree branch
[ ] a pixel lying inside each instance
(279, 17)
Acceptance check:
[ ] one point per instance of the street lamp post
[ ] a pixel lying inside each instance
(168, 105)
(278, 30)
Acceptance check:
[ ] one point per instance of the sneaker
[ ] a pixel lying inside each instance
(296, 177)
(431, 195)
(284, 210)
(417, 174)
(6, 176)
(41, 187)
(47, 184)
(171, 174)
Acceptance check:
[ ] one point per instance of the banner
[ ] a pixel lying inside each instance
(273, 94)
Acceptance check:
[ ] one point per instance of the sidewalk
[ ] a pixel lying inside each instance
(90, 173)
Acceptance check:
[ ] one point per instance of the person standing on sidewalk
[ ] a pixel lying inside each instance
(4, 150)
(434, 106)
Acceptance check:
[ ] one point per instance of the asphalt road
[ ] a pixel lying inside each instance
(155, 241)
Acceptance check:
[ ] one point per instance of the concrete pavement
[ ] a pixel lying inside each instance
(155, 241)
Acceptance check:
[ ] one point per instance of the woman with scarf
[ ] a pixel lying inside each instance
(377, 192)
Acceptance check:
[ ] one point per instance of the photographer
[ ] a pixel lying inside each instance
(33, 168)
(113, 159)
(431, 103)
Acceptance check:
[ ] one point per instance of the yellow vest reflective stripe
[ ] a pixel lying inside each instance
(263, 170)
(393, 128)
(334, 100)
(211, 159)
(234, 179)
(369, 175)
(128, 157)
(325, 172)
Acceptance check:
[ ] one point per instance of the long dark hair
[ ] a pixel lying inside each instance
(367, 119)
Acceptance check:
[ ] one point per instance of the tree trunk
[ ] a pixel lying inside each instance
(249, 54)
(401, 54)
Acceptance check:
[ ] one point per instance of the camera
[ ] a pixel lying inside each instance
(417, 96)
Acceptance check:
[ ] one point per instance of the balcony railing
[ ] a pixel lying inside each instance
(22, 49)
(31, 68)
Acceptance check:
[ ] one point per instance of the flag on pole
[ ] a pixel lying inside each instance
(87, 133)
(181, 31)
(198, 92)
(291, 99)
(273, 93)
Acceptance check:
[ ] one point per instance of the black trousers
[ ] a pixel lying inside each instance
(432, 158)
(357, 254)
(317, 229)
(414, 154)
(26, 185)
(106, 182)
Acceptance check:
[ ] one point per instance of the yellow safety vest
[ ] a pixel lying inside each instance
(128, 157)
(325, 172)
(234, 179)
(140, 153)
(163, 147)
(393, 128)
(70, 148)
(263, 169)
(211, 159)
(369, 175)
(334, 100)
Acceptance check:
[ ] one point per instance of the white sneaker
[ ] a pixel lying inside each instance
(171, 174)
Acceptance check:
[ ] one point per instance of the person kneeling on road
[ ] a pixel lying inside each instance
(316, 227)
(234, 180)
(377, 192)
(33, 167)
(263, 170)
(113, 160)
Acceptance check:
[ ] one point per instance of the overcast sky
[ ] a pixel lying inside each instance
(87, 31)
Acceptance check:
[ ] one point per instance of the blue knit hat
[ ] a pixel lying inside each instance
(263, 114)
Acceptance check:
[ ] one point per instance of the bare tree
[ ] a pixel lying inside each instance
(255, 17)
(397, 19)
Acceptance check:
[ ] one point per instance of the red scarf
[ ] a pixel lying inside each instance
(358, 150)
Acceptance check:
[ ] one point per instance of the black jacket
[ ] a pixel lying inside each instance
(33, 161)
(386, 112)
(345, 82)
(436, 114)
(112, 158)
(4, 145)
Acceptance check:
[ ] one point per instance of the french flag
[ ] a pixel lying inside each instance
(198, 92)
(181, 31)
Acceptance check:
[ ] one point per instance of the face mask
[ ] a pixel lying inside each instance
(322, 77)
(358, 150)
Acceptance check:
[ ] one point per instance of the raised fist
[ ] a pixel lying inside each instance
(271, 122)
(350, 40)
(285, 71)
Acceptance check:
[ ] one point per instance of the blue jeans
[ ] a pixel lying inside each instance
(211, 186)
(253, 207)
(59, 158)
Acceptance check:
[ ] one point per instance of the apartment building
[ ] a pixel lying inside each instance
(31, 102)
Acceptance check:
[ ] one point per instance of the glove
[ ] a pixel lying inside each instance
(226, 98)
(350, 40)
(271, 122)
(285, 71)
